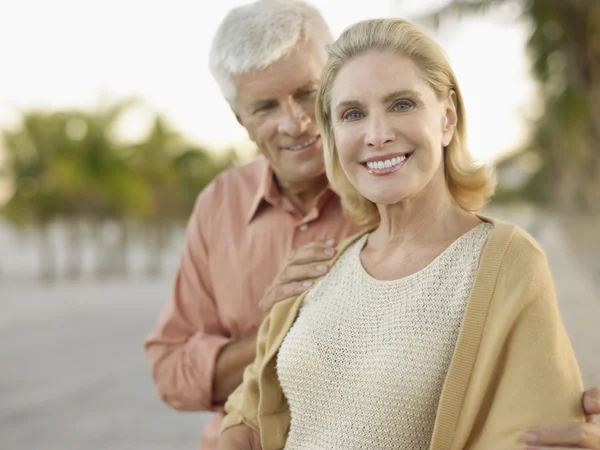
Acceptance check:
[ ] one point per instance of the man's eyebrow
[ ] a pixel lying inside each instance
(262, 102)
(308, 86)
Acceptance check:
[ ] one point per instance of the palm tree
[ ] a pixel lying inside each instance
(68, 166)
(37, 201)
(174, 171)
(65, 166)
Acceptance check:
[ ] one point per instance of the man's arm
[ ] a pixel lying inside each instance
(231, 362)
(195, 364)
(570, 435)
(240, 437)
(183, 348)
(298, 273)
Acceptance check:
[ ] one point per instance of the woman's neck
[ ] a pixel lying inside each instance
(420, 222)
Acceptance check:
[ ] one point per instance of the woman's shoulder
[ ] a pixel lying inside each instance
(516, 242)
(518, 267)
(513, 258)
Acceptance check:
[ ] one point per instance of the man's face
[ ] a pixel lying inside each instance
(277, 107)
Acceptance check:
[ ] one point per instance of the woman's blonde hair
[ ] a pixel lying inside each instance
(471, 184)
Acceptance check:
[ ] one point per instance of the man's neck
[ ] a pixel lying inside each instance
(303, 195)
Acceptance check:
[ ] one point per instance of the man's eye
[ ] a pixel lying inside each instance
(306, 94)
(264, 107)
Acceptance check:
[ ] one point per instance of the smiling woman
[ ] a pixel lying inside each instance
(429, 331)
(397, 99)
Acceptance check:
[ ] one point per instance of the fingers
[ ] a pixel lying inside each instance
(591, 401)
(568, 435)
(303, 267)
(302, 272)
(280, 292)
(315, 251)
(550, 448)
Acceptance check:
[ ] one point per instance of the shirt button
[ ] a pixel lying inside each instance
(303, 227)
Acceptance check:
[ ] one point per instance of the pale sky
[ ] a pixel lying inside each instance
(66, 53)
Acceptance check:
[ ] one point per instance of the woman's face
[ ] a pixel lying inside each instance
(390, 127)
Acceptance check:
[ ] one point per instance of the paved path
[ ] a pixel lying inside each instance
(579, 299)
(73, 374)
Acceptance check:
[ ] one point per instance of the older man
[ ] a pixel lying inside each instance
(260, 232)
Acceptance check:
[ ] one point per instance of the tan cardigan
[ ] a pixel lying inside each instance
(513, 366)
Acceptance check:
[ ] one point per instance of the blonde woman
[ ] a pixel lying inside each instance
(438, 328)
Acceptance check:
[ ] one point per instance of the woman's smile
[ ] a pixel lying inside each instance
(386, 165)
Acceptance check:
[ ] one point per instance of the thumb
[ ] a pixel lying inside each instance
(591, 401)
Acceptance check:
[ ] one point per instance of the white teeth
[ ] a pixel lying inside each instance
(304, 145)
(385, 164)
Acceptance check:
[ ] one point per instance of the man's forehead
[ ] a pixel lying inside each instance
(301, 67)
(271, 86)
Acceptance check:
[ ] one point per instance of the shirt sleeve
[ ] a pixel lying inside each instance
(242, 404)
(260, 389)
(183, 348)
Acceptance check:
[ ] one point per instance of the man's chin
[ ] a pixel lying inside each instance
(305, 173)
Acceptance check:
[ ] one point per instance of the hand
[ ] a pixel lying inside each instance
(240, 437)
(570, 435)
(299, 272)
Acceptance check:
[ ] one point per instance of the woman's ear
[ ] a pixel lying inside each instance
(450, 119)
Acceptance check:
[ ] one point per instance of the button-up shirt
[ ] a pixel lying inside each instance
(237, 238)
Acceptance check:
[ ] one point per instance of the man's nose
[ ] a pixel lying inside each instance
(294, 120)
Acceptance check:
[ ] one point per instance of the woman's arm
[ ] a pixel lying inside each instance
(239, 437)
(531, 376)
(260, 386)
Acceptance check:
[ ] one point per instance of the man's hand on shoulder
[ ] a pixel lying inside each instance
(301, 269)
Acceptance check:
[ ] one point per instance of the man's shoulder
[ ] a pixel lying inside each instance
(244, 175)
(235, 183)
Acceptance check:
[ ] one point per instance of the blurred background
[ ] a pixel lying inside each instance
(110, 125)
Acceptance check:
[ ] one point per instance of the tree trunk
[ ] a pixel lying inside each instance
(120, 267)
(47, 270)
(102, 264)
(157, 234)
(74, 268)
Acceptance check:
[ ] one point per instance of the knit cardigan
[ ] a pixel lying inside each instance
(513, 366)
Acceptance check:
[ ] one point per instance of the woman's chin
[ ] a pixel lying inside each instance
(387, 198)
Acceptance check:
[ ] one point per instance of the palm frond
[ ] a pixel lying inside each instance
(457, 9)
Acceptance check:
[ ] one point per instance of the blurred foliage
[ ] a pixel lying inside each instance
(564, 48)
(70, 166)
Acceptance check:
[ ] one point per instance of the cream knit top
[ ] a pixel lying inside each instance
(364, 363)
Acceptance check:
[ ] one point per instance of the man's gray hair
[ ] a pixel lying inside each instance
(254, 36)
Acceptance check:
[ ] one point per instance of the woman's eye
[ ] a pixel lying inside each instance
(403, 105)
(351, 116)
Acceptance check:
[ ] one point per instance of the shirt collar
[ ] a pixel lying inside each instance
(268, 192)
